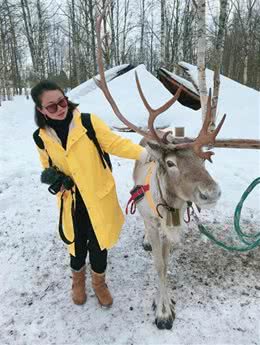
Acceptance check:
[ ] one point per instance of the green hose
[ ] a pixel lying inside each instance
(250, 241)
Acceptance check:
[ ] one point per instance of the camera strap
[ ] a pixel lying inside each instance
(61, 232)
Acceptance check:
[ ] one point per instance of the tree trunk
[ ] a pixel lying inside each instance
(218, 58)
(93, 31)
(201, 54)
(162, 52)
(142, 23)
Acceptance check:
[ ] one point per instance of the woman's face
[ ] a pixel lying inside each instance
(54, 105)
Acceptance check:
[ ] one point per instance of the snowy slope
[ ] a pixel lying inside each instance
(90, 85)
(217, 293)
(240, 103)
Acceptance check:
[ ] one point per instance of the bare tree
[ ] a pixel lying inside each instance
(162, 36)
(218, 57)
(35, 18)
(62, 44)
(142, 28)
(13, 24)
(246, 22)
(93, 42)
(201, 53)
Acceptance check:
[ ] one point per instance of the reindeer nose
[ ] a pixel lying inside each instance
(203, 196)
(217, 192)
(209, 195)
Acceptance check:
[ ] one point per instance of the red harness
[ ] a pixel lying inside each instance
(137, 194)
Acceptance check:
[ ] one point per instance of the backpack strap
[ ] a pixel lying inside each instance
(86, 122)
(39, 142)
(37, 139)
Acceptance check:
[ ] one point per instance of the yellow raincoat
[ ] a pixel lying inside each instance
(82, 163)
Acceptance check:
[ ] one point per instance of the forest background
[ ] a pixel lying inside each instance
(56, 40)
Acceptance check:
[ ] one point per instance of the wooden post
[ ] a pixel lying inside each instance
(179, 131)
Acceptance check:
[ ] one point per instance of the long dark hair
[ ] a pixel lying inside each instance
(37, 91)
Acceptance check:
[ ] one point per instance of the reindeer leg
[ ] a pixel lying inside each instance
(146, 241)
(167, 247)
(164, 307)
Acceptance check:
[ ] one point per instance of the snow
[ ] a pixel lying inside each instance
(217, 293)
(90, 85)
(235, 101)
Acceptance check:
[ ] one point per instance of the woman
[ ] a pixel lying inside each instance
(91, 217)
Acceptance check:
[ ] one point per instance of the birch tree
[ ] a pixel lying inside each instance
(201, 54)
(5, 56)
(35, 18)
(218, 57)
(62, 43)
(162, 36)
(142, 33)
(14, 26)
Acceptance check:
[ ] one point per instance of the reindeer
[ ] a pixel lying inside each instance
(177, 176)
(173, 177)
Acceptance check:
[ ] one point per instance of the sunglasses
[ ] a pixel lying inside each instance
(53, 108)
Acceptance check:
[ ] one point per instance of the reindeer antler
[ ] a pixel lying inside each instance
(153, 113)
(205, 138)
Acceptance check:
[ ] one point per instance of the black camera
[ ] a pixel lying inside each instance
(55, 178)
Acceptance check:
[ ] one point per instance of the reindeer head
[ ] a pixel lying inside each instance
(182, 173)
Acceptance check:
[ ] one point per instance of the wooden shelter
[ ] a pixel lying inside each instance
(189, 98)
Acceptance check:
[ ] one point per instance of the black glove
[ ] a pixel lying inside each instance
(55, 178)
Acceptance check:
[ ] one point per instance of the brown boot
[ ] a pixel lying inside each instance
(101, 290)
(79, 295)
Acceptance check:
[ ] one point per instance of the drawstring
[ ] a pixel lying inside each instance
(61, 232)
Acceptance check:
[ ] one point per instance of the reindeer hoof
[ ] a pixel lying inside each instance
(147, 247)
(164, 323)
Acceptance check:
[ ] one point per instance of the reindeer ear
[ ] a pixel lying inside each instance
(154, 149)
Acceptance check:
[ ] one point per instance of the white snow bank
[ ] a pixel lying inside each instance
(90, 85)
(240, 103)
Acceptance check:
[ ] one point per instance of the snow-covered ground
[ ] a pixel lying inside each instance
(217, 293)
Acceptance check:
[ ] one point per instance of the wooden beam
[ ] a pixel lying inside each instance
(235, 143)
(238, 143)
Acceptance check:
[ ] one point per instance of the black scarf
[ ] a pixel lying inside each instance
(61, 127)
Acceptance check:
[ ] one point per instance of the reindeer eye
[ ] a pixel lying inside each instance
(171, 164)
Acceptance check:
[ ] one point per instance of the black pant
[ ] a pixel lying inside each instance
(86, 241)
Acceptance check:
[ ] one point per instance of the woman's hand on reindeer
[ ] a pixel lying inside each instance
(144, 157)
